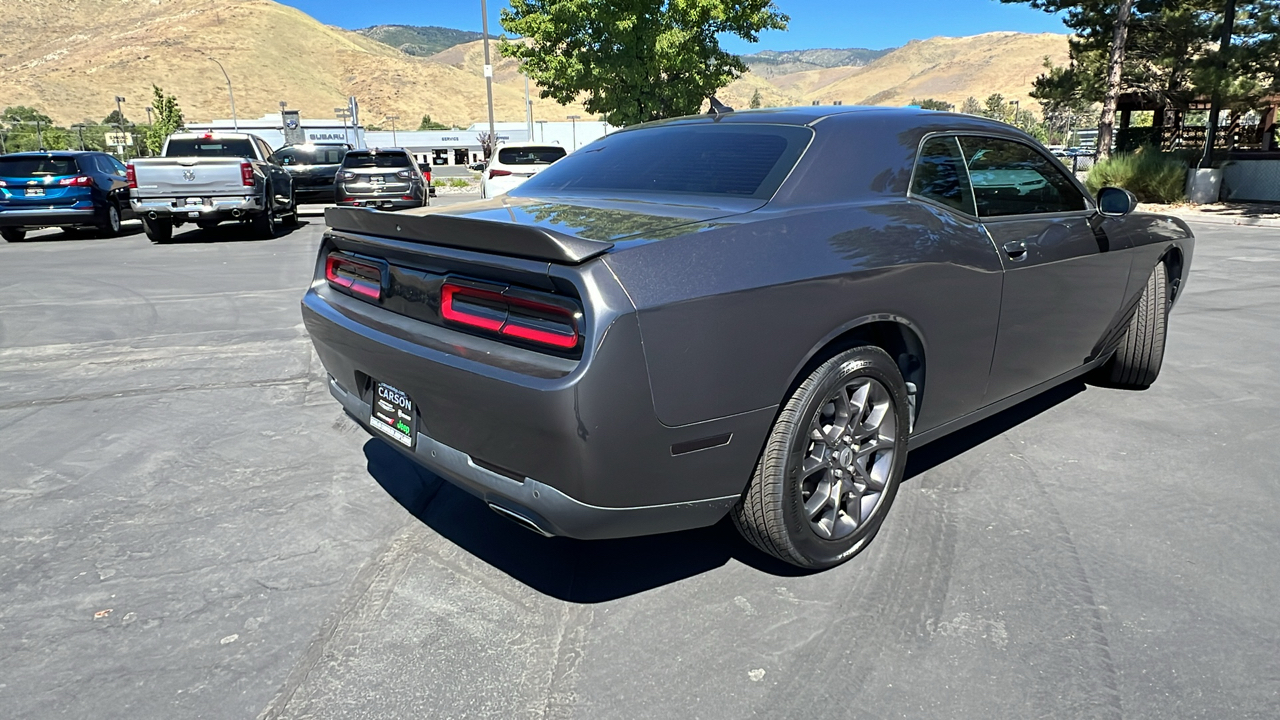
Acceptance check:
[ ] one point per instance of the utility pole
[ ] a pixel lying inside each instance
(542, 130)
(574, 119)
(528, 107)
(488, 70)
(1215, 105)
(235, 123)
(393, 119)
(40, 137)
(80, 131)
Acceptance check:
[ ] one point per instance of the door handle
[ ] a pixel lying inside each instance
(1016, 250)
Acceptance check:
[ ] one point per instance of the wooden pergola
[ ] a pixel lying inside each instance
(1168, 129)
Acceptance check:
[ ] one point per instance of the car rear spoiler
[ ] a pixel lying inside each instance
(524, 241)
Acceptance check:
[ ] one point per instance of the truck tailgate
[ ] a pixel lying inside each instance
(188, 176)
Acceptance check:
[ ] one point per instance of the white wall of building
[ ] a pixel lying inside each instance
(462, 147)
(271, 128)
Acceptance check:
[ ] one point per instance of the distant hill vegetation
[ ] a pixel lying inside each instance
(419, 40)
(773, 63)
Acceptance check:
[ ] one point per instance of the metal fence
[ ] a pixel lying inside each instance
(1251, 180)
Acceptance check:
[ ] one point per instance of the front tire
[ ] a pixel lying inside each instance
(291, 220)
(264, 224)
(1136, 362)
(158, 231)
(832, 463)
(13, 234)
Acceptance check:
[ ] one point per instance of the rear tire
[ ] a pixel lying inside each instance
(13, 234)
(1136, 362)
(264, 224)
(111, 225)
(158, 231)
(824, 483)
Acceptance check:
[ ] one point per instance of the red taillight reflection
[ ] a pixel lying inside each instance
(551, 323)
(246, 174)
(347, 273)
(498, 173)
(131, 175)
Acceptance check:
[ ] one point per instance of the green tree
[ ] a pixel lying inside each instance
(117, 119)
(931, 104)
(26, 128)
(429, 124)
(971, 106)
(756, 101)
(633, 60)
(166, 119)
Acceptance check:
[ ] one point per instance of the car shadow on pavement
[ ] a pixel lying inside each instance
(601, 570)
(82, 235)
(229, 232)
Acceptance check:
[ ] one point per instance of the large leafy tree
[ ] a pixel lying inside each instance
(633, 60)
(167, 119)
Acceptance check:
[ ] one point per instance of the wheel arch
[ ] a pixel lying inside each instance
(897, 336)
(1174, 265)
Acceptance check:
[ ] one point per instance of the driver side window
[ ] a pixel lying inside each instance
(1010, 178)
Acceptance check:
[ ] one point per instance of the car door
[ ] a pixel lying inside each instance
(1063, 282)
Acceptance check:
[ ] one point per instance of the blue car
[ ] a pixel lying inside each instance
(71, 190)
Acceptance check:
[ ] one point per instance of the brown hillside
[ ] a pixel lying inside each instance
(70, 58)
(949, 69)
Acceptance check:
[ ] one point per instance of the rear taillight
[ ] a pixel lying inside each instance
(344, 175)
(246, 173)
(526, 316)
(404, 174)
(77, 181)
(357, 276)
(131, 175)
(498, 173)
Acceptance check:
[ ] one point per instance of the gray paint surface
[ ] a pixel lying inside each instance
(168, 452)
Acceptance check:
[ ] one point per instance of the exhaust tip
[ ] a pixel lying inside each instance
(519, 519)
(152, 215)
(235, 213)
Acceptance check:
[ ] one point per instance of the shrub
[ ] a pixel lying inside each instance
(1149, 174)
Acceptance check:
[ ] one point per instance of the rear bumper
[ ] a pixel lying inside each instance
(576, 450)
(46, 217)
(218, 208)
(388, 202)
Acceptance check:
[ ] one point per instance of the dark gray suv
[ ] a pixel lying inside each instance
(385, 178)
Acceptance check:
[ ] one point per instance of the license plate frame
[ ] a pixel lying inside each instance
(33, 192)
(391, 414)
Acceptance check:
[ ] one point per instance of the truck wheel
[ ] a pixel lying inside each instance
(291, 220)
(832, 463)
(264, 224)
(13, 234)
(159, 230)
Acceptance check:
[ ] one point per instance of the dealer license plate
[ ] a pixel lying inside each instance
(35, 192)
(392, 414)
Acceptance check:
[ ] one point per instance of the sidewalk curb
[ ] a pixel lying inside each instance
(1248, 222)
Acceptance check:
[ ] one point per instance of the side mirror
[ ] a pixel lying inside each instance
(1116, 202)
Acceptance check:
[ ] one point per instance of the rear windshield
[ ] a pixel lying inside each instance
(30, 167)
(380, 160)
(201, 147)
(310, 155)
(736, 159)
(530, 155)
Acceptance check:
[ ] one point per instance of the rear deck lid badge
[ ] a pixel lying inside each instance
(189, 175)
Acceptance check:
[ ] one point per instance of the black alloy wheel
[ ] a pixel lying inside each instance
(832, 463)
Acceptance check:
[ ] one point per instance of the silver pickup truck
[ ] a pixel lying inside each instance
(209, 178)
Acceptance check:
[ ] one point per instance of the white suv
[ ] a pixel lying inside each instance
(513, 163)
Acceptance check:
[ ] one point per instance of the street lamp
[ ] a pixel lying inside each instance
(119, 125)
(542, 131)
(235, 124)
(342, 114)
(488, 68)
(574, 119)
(393, 119)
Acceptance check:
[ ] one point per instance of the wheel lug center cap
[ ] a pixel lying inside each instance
(845, 457)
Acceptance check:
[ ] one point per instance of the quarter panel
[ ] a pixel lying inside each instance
(730, 315)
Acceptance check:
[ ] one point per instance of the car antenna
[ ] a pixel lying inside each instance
(718, 108)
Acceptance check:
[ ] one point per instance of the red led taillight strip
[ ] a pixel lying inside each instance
(360, 278)
(521, 317)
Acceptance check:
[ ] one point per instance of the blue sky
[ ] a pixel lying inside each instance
(860, 23)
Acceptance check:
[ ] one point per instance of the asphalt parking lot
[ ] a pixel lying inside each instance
(190, 527)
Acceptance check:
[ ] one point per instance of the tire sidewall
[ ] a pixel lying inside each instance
(859, 362)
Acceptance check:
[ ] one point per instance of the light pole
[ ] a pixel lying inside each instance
(574, 119)
(488, 69)
(542, 131)
(235, 123)
(528, 107)
(392, 119)
(1016, 108)
(342, 114)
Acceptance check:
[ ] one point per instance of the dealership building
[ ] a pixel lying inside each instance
(434, 147)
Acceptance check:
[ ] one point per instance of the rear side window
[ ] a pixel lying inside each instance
(210, 147)
(37, 167)
(737, 159)
(530, 155)
(1010, 178)
(940, 175)
(379, 160)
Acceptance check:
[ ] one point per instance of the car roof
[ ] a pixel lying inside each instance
(902, 118)
(380, 150)
(54, 153)
(529, 143)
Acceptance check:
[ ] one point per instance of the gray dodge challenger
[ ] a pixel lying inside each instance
(747, 313)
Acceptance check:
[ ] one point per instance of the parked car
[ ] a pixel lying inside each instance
(477, 167)
(314, 167)
(211, 178)
(514, 163)
(755, 314)
(386, 178)
(69, 190)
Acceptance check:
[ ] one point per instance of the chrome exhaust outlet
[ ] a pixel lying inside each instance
(152, 215)
(235, 213)
(519, 519)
